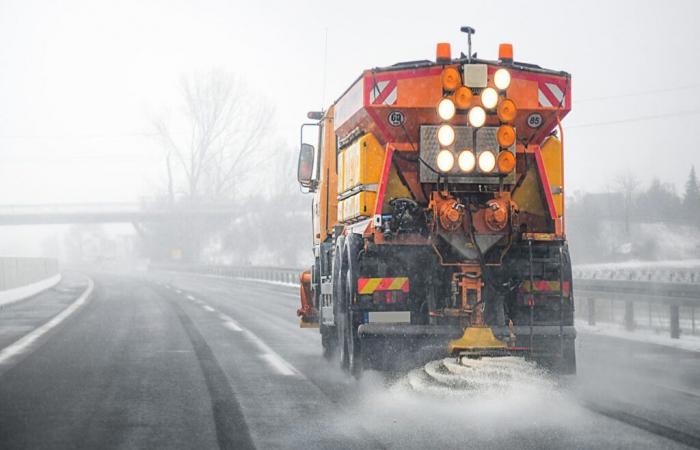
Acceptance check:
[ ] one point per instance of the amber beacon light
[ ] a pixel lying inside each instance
(505, 52)
(443, 53)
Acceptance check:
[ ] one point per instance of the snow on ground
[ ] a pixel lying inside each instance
(668, 271)
(636, 264)
(686, 342)
(278, 283)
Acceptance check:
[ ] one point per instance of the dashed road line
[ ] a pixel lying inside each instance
(232, 431)
(270, 356)
(233, 326)
(189, 297)
(208, 308)
(279, 364)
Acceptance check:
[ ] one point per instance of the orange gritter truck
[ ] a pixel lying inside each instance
(438, 214)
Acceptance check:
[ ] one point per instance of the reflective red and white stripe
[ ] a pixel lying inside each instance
(370, 285)
(384, 93)
(551, 95)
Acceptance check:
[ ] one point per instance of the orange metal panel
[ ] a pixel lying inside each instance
(327, 194)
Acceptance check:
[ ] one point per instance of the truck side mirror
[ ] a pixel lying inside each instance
(305, 167)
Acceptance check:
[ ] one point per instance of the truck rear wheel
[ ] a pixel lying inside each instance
(353, 341)
(350, 356)
(348, 340)
(339, 308)
(559, 362)
(329, 341)
(353, 244)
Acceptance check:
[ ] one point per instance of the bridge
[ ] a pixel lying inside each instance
(73, 213)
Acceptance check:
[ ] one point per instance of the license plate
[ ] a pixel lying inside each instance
(389, 317)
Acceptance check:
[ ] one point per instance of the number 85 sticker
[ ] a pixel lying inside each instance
(535, 120)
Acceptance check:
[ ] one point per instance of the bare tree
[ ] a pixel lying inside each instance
(221, 129)
(627, 183)
(217, 137)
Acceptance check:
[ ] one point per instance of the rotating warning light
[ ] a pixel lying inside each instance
(507, 110)
(505, 52)
(446, 109)
(505, 136)
(466, 161)
(443, 52)
(445, 160)
(489, 98)
(501, 79)
(446, 135)
(477, 116)
(487, 161)
(463, 97)
(450, 79)
(506, 162)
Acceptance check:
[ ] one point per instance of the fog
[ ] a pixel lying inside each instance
(164, 135)
(82, 82)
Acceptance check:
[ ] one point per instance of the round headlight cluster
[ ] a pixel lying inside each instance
(466, 161)
(493, 103)
(487, 161)
(489, 98)
(501, 79)
(445, 160)
(446, 109)
(477, 116)
(446, 135)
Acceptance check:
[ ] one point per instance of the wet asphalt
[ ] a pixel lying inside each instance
(170, 360)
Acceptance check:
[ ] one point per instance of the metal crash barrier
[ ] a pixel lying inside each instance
(631, 300)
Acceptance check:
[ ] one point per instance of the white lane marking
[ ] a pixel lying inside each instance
(279, 364)
(273, 359)
(178, 291)
(27, 340)
(230, 323)
(208, 308)
(189, 297)
(233, 326)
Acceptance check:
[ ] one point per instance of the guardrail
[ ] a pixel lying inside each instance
(668, 306)
(274, 274)
(690, 275)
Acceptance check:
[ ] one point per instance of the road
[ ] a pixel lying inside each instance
(185, 361)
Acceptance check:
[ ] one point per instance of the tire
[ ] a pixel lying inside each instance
(353, 345)
(560, 364)
(339, 307)
(567, 362)
(353, 244)
(329, 342)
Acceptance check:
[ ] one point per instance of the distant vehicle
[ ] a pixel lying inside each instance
(438, 214)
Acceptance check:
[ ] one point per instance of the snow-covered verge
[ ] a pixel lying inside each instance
(667, 271)
(20, 293)
(686, 342)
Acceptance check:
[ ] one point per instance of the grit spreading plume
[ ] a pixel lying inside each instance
(491, 403)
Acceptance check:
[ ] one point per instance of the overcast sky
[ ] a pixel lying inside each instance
(81, 80)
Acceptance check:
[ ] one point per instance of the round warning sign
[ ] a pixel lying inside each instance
(396, 118)
(535, 120)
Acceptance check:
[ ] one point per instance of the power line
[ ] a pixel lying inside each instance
(636, 94)
(635, 119)
(78, 136)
